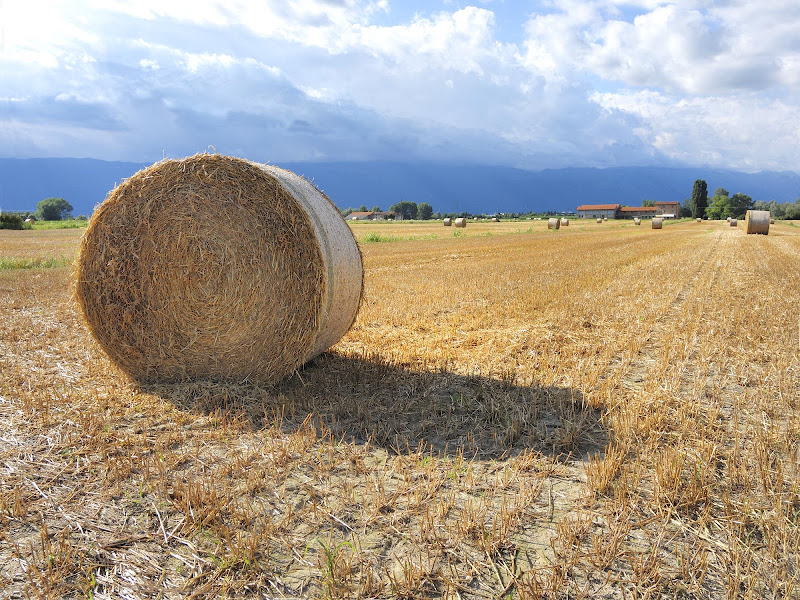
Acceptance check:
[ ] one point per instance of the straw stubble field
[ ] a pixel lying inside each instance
(600, 411)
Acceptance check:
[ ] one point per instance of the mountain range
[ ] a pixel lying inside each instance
(477, 189)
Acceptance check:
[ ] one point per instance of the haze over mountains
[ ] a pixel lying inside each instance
(84, 183)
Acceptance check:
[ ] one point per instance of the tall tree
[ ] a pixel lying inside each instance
(699, 201)
(720, 207)
(406, 208)
(424, 211)
(740, 204)
(53, 209)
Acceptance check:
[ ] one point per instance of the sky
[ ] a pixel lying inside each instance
(531, 84)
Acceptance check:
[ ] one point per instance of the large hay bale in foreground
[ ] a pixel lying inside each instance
(460, 222)
(216, 267)
(447, 222)
(757, 221)
(553, 223)
(657, 223)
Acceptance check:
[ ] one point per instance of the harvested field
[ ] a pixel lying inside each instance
(488, 428)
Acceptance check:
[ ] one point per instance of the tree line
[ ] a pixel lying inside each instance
(409, 210)
(49, 209)
(723, 205)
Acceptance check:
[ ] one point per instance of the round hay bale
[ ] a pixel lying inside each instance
(637, 221)
(657, 223)
(553, 223)
(495, 220)
(447, 222)
(565, 222)
(214, 267)
(605, 218)
(461, 222)
(772, 221)
(599, 220)
(729, 219)
(757, 221)
(733, 222)
(699, 220)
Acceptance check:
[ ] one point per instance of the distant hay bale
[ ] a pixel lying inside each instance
(637, 221)
(565, 222)
(757, 221)
(599, 220)
(447, 222)
(461, 222)
(772, 221)
(605, 218)
(657, 223)
(216, 267)
(729, 219)
(553, 223)
(733, 222)
(495, 220)
(699, 220)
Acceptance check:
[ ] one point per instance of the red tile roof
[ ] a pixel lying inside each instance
(598, 207)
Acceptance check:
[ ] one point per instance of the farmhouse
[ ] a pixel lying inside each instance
(629, 212)
(372, 216)
(593, 211)
(668, 210)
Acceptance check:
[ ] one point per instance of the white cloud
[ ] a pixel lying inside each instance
(592, 82)
(742, 132)
(687, 47)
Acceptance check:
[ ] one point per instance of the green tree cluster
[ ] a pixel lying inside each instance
(424, 211)
(406, 208)
(724, 205)
(786, 210)
(11, 221)
(53, 209)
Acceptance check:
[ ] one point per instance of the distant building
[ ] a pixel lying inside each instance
(629, 212)
(371, 216)
(594, 211)
(668, 210)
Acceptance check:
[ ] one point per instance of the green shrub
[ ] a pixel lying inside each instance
(11, 221)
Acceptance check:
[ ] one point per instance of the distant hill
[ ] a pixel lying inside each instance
(477, 189)
(83, 182)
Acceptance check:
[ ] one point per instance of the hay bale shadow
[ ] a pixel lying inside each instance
(399, 408)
